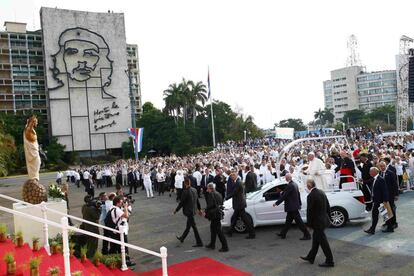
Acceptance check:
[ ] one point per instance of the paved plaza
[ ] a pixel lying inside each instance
(152, 225)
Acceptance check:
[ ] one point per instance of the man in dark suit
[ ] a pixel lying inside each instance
(132, 179)
(379, 195)
(190, 204)
(390, 167)
(220, 182)
(291, 197)
(393, 192)
(239, 205)
(207, 178)
(364, 167)
(250, 183)
(317, 214)
(214, 201)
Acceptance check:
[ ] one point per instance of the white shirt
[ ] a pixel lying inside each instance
(86, 175)
(124, 170)
(198, 176)
(179, 179)
(108, 205)
(147, 179)
(77, 175)
(160, 177)
(59, 175)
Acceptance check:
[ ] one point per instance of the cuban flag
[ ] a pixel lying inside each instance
(136, 136)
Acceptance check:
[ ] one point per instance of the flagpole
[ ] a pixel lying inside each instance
(211, 107)
(133, 117)
(212, 122)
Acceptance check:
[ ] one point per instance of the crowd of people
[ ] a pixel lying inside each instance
(381, 165)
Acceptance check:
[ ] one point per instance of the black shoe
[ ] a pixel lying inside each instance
(395, 225)
(388, 230)
(250, 237)
(180, 239)
(198, 245)
(129, 263)
(305, 238)
(369, 231)
(325, 264)
(307, 259)
(209, 246)
(224, 250)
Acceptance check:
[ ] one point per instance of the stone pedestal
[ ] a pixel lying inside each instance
(32, 228)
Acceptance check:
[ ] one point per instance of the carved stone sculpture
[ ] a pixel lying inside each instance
(33, 191)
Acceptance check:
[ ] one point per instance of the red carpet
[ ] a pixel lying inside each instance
(23, 254)
(198, 267)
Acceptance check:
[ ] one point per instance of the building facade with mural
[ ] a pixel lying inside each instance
(73, 72)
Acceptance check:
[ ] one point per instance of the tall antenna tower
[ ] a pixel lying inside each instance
(403, 107)
(353, 55)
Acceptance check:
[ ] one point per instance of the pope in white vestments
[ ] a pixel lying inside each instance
(314, 170)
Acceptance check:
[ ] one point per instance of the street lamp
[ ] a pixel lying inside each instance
(245, 135)
(132, 83)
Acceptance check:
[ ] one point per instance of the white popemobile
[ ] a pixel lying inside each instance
(346, 204)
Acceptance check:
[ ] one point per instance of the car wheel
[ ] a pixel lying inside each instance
(339, 217)
(241, 226)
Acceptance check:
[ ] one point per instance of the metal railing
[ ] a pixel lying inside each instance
(43, 207)
(64, 225)
(333, 185)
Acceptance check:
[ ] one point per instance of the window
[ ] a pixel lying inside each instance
(271, 194)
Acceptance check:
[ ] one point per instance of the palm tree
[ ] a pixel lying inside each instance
(318, 115)
(173, 98)
(197, 93)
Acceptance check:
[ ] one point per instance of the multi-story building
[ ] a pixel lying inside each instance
(327, 91)
(133, 66)
(22, 73)
(22, 81)
(353, 88)
(376, 89)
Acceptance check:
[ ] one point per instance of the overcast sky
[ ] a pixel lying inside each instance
(267, 58)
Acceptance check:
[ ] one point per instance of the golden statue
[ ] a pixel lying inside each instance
(33, 191)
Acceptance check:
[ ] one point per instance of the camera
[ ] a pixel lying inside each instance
(128, 198)
(94, 203)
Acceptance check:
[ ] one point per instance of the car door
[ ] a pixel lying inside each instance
(265, 212)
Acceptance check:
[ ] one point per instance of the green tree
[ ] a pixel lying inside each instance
(385, 114)
(196, 93)
(328, 116)
(297, 124)
(174, 100)
(55, 152)
(354, 117)
(7, 153)
(318, 115)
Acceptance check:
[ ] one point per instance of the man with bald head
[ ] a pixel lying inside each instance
(379, 195)
(393, 192)
(293, 204)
